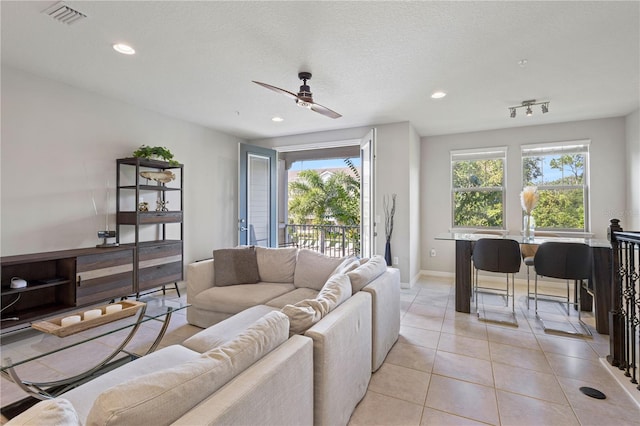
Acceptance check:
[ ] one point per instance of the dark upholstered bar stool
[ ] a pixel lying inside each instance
(567, 261)
(497, 255)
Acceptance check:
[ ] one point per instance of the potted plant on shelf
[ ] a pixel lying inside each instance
(155, 153)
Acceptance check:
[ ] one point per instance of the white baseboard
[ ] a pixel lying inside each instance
(440, 274)
(624, 382)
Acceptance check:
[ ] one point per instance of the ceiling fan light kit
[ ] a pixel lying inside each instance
(304, 97)
(528, 104)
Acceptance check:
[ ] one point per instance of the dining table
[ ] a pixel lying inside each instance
(598, 288)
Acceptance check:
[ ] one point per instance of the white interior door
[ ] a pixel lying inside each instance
(367, 195)
(257, 221)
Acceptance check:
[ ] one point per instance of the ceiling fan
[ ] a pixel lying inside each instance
(303, 98)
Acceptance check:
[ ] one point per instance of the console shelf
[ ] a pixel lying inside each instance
(32, 286)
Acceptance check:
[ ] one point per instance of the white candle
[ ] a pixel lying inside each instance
(110, 309)
(70, 320)
(93, 313)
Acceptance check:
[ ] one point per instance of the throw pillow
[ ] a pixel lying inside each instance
(164, 396)
(313, 269)
(348, 264)
(276, 265)
(307, 312)
(367, 272)
(235, 266)
(57, 411)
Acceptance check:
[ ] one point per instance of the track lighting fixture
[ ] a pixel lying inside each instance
(528, 104)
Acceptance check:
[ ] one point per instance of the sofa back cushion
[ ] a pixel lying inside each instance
(313, 269)
(276, 265)
(235, 266)
(367, 272)
(164, 396)
(306, 313)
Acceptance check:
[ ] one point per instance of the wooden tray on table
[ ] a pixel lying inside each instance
(53, 326)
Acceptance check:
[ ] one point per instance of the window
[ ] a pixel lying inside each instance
(560, 171)
(477, 188)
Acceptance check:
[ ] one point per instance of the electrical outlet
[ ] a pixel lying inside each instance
(433, 252)
(395, 260)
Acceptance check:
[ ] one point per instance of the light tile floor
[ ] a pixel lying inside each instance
(449, 368)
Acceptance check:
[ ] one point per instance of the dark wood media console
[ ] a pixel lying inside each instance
(60, 281)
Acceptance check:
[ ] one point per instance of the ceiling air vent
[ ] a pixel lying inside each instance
(63, 13)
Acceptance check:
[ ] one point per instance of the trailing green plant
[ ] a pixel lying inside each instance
(155, 151)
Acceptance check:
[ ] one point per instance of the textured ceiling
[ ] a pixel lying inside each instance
(373, 62)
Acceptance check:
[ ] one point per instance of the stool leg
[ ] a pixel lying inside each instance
(528, 291)
(507, 301)
(475, 288)
(535, 291)
(177, 290)
(513, 293)
(507, 304)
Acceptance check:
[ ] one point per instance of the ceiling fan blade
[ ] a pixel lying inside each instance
(324, 111)
(277, 90)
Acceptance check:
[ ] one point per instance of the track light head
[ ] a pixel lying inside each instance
(529, 112)
(513, 112)
(545, 107)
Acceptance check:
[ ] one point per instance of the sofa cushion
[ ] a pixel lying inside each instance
(57, 411)
(236, 298)
(305, 313)
(367, 272)
(227, 330)
(293, 297)
(276, 265)
(313, 269)
(164, 396)
(233, 266)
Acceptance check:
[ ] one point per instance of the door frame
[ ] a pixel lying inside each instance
(244, 152)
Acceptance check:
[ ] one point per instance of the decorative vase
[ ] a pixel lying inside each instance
(387, 252)
(529, 227)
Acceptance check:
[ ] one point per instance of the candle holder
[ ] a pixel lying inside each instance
(105, 235)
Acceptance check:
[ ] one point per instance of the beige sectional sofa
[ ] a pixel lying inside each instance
(288, 276)
(260, 376)
(295, 349)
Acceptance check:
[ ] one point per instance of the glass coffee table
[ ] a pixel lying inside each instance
(61, 363)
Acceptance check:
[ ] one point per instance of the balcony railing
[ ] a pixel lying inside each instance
(331, 240)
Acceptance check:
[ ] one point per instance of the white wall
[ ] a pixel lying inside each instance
(608, 179)
(393, 174)
(631, 218)
(59, 146)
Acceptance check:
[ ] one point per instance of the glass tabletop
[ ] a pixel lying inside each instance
(472, 236)
(26, 344)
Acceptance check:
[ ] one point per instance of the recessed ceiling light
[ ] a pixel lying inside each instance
(523, 63)
(277, 119)
(125, 49)
(438, 95)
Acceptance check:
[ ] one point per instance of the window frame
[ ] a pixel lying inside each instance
(563, 147)
(489, 153)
